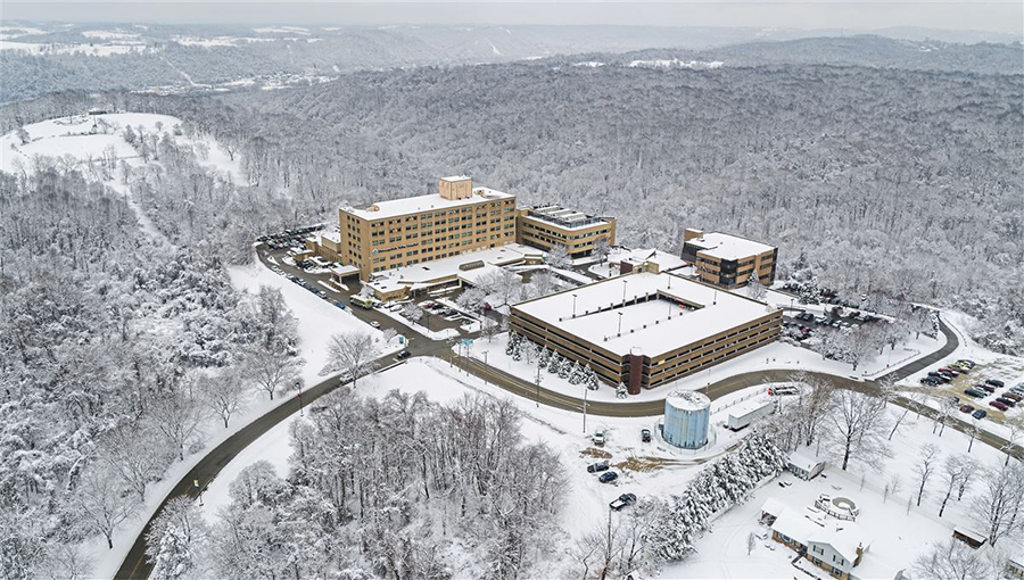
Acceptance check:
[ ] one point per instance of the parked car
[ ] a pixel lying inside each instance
(597, 467)
(598, 438)
(967, 362)
(624, 500)
(949, 372)
(645, 435)
(608, 477)
(966, 408)
(1015, 397)
(403, 355)
(975, 393)
(1007, 401)
(995, 383)
(997, 405)
(340, 304)
(987, 388)
(929, 381)
(979, 414)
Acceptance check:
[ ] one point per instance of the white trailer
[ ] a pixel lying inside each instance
(749, 411)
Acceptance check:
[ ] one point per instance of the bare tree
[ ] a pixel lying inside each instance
(856, 426)
(99, 503)
(222, 393)
(472, 299)
(952, 473)
(953, 560)
(1000, 503)
(892, 486)
(751, 542)
(272, 374)
(176, 540)
(927, 462)
(1013, 438)
(136, 456)
(558, 257)
(412, 311)
(177, 418)
(354, 353)
(970, 471)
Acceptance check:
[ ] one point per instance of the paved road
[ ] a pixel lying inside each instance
(135, 565)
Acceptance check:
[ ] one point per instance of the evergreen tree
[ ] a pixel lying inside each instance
(564, 369)
(555, 363)
(592, 380)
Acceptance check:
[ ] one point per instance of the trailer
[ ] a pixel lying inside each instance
(749, 411)
(363, 301)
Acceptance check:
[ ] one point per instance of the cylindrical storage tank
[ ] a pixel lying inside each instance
(686, 419)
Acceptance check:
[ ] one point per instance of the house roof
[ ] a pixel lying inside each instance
(773, 506)
(844, 537)
(803, 462)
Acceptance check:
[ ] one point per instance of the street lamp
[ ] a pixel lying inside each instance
(538, 387)
(624, 282)
(620, 324)
(585, 389)
(574, 305)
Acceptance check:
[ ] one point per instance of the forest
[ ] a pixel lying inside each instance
(902, 184)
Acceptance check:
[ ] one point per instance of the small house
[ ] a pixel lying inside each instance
(805, 467)
(1015, 566)
(970, 537)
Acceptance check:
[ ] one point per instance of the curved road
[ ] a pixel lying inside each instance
(135, 565)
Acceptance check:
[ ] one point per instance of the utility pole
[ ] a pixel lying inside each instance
(538, 386)
(585, 389)
(574, 305)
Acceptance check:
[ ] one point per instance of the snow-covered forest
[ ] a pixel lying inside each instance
(878, 169)
(869, 180)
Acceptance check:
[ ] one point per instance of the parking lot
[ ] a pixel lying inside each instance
(1010, 372)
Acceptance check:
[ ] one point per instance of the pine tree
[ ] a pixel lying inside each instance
(622, 392)
(517, 351)
(564, 369)
(555, 363)
(513, 340)
(576, 374)
(591, 380)
(545, 356)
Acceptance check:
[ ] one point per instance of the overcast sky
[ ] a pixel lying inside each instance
(1002, 16)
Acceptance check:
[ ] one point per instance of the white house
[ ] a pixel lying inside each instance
(803, 466)
(836, 547)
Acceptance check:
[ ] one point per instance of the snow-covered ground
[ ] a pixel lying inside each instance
(83, 138)
(898, 534)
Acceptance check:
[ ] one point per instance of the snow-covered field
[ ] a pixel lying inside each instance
(84, 138)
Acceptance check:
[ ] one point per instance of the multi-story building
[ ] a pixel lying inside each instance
(401, 232)
(729, 261)
(549, 226)
(647, 329)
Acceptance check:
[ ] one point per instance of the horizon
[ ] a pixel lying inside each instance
(833, 18)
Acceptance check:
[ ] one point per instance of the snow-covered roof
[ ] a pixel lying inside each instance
(413, 205)
(972, 534)
(794, 525)
(802, 461)
(844, 537)
(427, 274)
(688, 400)
(773, 506)
(344, 270)
(658, 312)
(728, 246)
(455, 178)
(664, 260)
(558, 216)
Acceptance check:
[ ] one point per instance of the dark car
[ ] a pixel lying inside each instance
(340, 304)
(1007, 401)
(403, 355)
(975, 393)
(645, 435)
(995, 383)
(998, 405)
(987, 388)
(1015, 397)
(596, 467)
(608, 477)
(929, 381)
(949, 372)
(979, 414)
(966, 408)
(624, 500)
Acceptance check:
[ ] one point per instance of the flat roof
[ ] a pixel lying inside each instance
(426, 274)
(664, 260)
(728, 246)
(646, 326)
(560, 217)
(413, 205)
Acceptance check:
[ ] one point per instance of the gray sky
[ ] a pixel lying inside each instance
(1001, 16)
